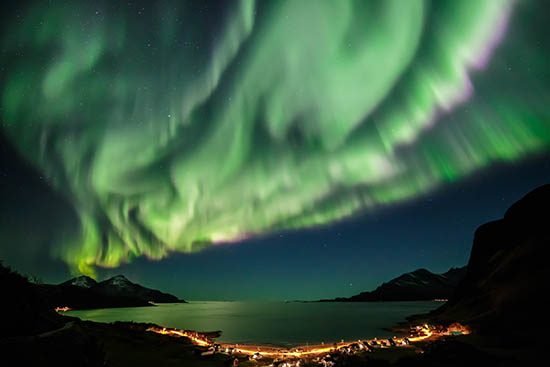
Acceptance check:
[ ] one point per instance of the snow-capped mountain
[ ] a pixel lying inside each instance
(119, 286)
(81, 281)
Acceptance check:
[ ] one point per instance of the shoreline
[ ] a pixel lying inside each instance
(144, 344)
(417, 334)
(202, 338)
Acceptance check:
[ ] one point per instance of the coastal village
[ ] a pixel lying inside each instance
(326, 355)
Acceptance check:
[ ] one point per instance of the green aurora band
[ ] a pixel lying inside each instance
(171, 131)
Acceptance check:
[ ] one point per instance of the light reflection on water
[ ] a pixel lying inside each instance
(271, 323)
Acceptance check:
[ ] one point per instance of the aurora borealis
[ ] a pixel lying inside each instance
(170, 129)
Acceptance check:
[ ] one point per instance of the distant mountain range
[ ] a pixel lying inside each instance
(418, 285)
(118, 290)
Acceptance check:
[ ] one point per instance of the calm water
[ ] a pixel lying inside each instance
(276, 323)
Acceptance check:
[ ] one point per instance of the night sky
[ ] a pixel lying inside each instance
(265, 150)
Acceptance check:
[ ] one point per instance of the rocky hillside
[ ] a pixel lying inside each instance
(505, 289)
(24, 309)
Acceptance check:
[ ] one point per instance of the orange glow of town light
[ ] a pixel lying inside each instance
(285, 353)
(182, 333)
(62, 309)
(196, 338)
(427, 333)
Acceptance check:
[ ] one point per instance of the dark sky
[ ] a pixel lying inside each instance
(346, 153)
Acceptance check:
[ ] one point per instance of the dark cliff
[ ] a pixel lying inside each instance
(505, 288)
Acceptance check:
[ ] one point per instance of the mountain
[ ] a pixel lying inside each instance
(121, 286)
(505, 289)
(117, 288)
(418, 285)
(81, 281)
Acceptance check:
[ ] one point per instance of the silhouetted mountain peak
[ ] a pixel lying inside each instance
(417, 285)
(505, 286)
(118, 281)
(118, 278)
(82, 281)
(119, 289)
(526, 212)
(421, 271)
(121, 286)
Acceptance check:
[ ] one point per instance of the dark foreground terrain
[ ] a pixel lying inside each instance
(33, 334)
(84, 343)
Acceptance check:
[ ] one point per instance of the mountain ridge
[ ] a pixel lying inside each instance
(83, 281)
(119, 287)
(418, 285)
